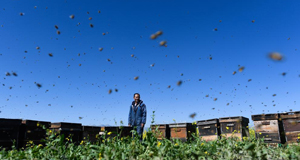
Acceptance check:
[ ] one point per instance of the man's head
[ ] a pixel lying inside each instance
(136, 97)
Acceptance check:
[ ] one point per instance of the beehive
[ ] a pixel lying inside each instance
(163, 131)
(234, 126)
(209, 130)
(182, 131)
(9, 132)
(291, 125)
(269, 127)
(69, 130)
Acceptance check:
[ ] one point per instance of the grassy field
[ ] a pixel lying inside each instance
(59, 147)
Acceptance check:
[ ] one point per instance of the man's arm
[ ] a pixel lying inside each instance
(144, 117)
(129, 116)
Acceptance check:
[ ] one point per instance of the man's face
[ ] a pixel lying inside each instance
(136, 98)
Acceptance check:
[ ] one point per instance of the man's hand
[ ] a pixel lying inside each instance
(142, 125)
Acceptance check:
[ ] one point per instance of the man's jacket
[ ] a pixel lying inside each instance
(137, 114)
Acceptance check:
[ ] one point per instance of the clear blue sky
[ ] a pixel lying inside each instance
(188, 27)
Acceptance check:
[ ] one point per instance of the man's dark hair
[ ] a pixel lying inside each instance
(135, 94)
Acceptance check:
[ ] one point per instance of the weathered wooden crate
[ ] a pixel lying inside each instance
(291, 125)
(234, 126)
(33, 131)
(269, 127)
(9, 132)
(209, 130)
(163, 131)
(90, 133)
(69, 130)
(182, 131)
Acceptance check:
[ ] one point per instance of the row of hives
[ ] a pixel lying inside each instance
(274, 128)
(24, 132)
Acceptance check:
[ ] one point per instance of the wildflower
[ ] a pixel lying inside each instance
(205, 152)
(227, 128)
(109, 133)
(100, 157)
(259, 133)
(38, 124)
(176, 144)
(40, 145)
(158, 144)
(202, 144)
(50, 131)
(122, 139)
(81, 142)
(67, 139)
(194, 123)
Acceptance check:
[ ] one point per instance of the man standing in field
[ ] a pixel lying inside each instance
(137, 115)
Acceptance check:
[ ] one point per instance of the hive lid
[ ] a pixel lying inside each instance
(209, 121)
(259, 117)
(36, 123)
(290, 115)
(173, 125)
(4, 121)
(234, 119)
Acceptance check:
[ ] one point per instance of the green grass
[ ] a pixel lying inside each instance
(57, 147)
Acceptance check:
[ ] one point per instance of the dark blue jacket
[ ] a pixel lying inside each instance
(136, 118)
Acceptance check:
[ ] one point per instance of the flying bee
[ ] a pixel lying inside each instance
(100, 49)
(215, 99)
(253, 21)
(169, 86)
(50, 54)
(58, 32)
(109, 91)
(275, 56)
(136, 78)
(179, 83)
(56, 26)
(283, 74)
(99, 11)
(90, 18)
(158, 33)
(7, 74)
(91, 25)
(274, 95)
(14, 73)
(192, 115)
(21, 14)
(249, 80)
(79, 64)
(37, 47)
(108, 60)
(80, 117)
(153, 36)
(72, 16)
(38, 85)
(162, 43)
(116, 90)
(234, 72)
(132, 55)
(241, 69)
(103, 33)
(216, 29)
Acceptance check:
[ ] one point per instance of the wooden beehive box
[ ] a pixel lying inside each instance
(163, 131)
(32, 130)
(291, 125)
(182, 131)
(9, 132)
(109, 131)
(90, 133)
(73, 130)
(234, 126)
(125, 131)
(270, 127)
(209, 130)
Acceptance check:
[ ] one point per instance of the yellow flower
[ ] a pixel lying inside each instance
(227, 128)
(109, 133)
(40, 145)
(194, 123)
(122, 139)
(81, 142)
(50, 131)
(158, 144)
(202, 144)
(38, 124)
(176, 144)
(67, 139)
(100, 156)
(259, 133)
(205, 152)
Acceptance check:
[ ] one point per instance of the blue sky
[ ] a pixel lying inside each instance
(70, 91)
